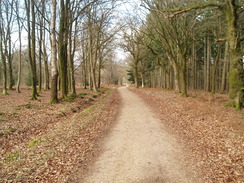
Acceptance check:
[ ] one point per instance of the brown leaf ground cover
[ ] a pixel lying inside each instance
(40, 142)
(213, 135)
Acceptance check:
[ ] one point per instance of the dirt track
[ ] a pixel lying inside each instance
(139, 150)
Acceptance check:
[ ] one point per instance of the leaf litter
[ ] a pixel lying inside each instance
(52, 142)
(212, 135)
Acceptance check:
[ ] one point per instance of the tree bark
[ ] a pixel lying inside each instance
(62, 44)
(224, 70)
(215, 67)
(54, 81)
(236, 74)
(208, 85)
(2, 54)
(20, 50)
(136, 76)
(3, 59)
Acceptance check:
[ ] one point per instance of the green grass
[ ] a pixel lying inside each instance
(12, 130)
(82, 94)
(27, 106)
(11, 157)
(71, 98)
(34, 142)
(90, 100)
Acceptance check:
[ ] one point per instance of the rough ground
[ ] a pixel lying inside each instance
(193, 139)
(213, 135)
(50, 142)
(140, 150)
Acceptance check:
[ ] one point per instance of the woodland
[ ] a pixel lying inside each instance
(178, 45)
(62, 60)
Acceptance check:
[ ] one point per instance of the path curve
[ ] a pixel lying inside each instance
(139, 150)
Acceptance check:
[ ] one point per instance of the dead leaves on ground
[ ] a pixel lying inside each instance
(205, 127)
(53, 141)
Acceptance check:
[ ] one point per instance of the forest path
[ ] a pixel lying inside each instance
(138, 149)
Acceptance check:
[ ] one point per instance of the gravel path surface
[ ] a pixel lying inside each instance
(139, 150)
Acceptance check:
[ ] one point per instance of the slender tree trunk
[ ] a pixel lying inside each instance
(205, 64)
(176, 77)
(208, 86)
(168, 80)
(183, 79)
(216, 61)
(224, 70)
(33, 51)
(3, 59)
(136, 76)
(20, 50)
(9, 57)
(30, 7)
(194, 68)
(142, 80)
(71, 63)
(99, 72)
(54, 81)
(44, 53)
(40, 58)
(46, 70)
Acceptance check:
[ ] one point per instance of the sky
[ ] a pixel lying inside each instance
(127, 11)
(124, 12)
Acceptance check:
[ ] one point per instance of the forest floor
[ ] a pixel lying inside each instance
(161, 137)
(211, 135)
(42, 142)
(134, 135)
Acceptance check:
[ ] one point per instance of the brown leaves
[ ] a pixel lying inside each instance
(59, 145)
(208, 131)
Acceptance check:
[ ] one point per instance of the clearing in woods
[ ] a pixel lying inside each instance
(139, 150)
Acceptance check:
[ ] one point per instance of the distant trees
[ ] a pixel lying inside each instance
(194, 46)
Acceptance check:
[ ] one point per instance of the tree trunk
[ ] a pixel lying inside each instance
(205, 64)
(71, 62)
(9, 57)
(99, 72)
(40, 59)
(54, 81)
(194, 67)
(183, 79)
(176, 77)
(136, 77)
(46, 70)
(224, 71)
(142, 80)
(30, 7)
(3, 59)
(208, 85)
(20, 50)
(236, 74)
(62, 43)
(216, 61)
